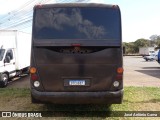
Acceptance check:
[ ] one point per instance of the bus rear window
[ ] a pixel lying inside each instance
(77, 23)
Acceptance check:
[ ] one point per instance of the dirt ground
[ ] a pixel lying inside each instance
(137, 72)
(20, 82)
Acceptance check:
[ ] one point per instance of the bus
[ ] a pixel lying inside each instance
(76, 54)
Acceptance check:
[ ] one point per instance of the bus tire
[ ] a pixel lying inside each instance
(3, 80)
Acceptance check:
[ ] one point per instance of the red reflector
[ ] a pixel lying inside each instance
(76, 45)
(119, 77)
(34, 77)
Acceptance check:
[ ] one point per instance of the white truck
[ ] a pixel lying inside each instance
(146, 51)
(15, 48)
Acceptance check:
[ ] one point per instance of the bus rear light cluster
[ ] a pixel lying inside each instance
(33, 71)
(119, 73)
(119, 77)
(34, 77)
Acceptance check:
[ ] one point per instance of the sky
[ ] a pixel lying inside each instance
(140, 18)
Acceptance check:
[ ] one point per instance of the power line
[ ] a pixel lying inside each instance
(17, 11)
(24, 9)
(22, 18)
(17, 16)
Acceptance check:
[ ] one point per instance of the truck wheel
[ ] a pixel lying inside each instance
(26, 70)
(3, 80)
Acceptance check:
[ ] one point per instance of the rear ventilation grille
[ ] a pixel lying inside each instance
(76, 50)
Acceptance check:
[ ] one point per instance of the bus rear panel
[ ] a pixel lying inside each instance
(76, 54)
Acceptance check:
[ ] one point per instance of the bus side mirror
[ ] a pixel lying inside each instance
(7, 59)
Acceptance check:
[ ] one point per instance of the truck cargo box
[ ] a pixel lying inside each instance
(21, 42)
(15, 48)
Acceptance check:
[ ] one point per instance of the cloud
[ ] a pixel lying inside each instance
(10, 5)
(58, 19)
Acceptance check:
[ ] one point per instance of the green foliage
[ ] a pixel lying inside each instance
(155, 39)
(140, 43)
(133, 47)
(130, 47)
(158, 42)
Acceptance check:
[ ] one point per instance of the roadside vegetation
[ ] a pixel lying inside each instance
(135, 99)
(133, 47)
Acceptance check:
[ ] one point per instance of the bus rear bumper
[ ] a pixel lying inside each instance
(77, 97)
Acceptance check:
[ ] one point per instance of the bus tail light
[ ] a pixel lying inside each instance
(119, 77)
(34, 77)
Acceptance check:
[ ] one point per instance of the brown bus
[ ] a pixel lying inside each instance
(76, 55)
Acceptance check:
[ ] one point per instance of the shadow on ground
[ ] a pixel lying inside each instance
(151, 71)
(102, 111)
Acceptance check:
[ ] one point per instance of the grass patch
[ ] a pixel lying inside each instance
(14, 92)
(139, 99)
(135, 99)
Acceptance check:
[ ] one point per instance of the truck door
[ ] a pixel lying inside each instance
(9, 62)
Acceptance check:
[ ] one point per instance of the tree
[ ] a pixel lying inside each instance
(153, 37)
(155, 40)
(129, 47)
(141, 43)
(158, 43)
(133, 47)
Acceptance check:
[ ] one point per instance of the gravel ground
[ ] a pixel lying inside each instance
(137, 72)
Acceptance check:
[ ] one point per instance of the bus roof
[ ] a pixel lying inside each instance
(76, 5)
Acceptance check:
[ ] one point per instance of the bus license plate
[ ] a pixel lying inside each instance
(77, 83)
